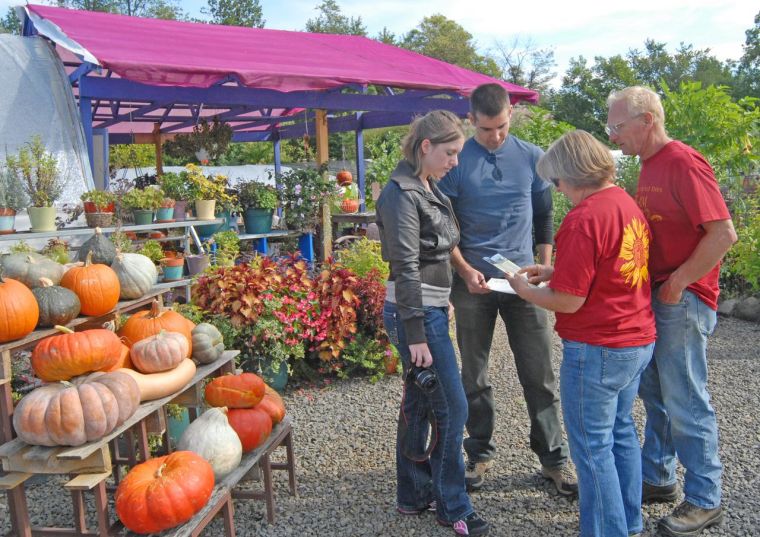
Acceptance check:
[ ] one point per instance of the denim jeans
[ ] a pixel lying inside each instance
(597, 387)
(680, 419)
(441, 477)
(529, 335)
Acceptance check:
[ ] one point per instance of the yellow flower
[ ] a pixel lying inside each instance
(634, 250)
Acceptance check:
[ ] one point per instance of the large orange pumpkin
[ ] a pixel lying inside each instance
(66, 414)
(235, 391)
(70, 353)
(252, 426)
(19, 311)
(124, 360)
(164, 492)
(144, 324)
(273, 405)
(96, 285)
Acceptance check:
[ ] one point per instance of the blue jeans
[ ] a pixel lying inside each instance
(680, 419)
(597, 389)
(441, 477)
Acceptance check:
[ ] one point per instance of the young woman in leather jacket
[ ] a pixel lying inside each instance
(418, 231)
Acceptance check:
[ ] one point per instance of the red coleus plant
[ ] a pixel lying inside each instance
(370, 290)
(338, 302)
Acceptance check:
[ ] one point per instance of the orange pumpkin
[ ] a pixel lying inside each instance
(96, 285)
(164, 492)
(273, 405)
(344, 177)
(144, 324)
(70, 353)
(19, 311)
(66, 414)
(161, 352)
(349, 205)
(252, 426)
(235, 391)
(124, 360)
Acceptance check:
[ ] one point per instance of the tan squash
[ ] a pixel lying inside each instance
(161, 352)
(157, 385)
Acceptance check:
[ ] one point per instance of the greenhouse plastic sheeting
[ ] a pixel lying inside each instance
(36, 99)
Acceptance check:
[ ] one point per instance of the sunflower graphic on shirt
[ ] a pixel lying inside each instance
(634, 251)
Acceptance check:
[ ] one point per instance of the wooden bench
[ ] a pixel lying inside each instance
(224, 491)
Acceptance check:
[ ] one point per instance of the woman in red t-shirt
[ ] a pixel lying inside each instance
(599, 287)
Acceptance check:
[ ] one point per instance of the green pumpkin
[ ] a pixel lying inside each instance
(137, 275)
(208, 343)
(103, 250)
(58, 305)
(29, 268)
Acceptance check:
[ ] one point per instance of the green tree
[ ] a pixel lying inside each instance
(10, 24)
(748, 71)
(332, 21)
(387, 37)
(524, 64)
(444, 39)
(157, 9)
(246, 13)
(655, 65)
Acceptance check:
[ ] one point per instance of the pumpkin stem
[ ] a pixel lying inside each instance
(98, 231)
(63, 329)
(30, 259)
(160, 471)
(46, 282)
(88, 261)
(155, 309)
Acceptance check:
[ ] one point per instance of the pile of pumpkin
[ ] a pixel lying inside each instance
(167, 491)
(96, 379)
(36, 291)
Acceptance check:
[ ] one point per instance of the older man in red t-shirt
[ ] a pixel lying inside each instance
(691, 231)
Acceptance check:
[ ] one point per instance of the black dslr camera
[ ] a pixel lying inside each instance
(424, 378)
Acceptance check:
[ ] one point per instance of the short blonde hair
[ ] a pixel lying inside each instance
(639, 100)
(438, 126)
(579, 159)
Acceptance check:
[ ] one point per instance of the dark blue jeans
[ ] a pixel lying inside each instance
(440, 477)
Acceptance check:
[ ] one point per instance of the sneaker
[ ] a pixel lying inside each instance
(474, 474)
(562, 478)
(658, 494)
(687, 519)
(472, 524)
(428, 508)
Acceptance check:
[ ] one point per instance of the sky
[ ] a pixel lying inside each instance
(585, 28)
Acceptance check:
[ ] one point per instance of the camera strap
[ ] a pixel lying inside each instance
(409, 451)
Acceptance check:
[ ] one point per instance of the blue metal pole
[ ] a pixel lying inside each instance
(360, 171)
(85, 112)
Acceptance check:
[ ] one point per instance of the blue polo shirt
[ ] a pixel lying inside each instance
(496, 211)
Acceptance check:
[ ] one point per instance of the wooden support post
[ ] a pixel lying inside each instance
(322, 158)
(157, 143)
(6, 398)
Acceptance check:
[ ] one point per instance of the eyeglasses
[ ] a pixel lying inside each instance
(615, 129)
(555, 182)
(496, 172)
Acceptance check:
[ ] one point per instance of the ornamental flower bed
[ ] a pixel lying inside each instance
(281, 310)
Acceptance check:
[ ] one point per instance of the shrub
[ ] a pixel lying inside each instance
(362, 257)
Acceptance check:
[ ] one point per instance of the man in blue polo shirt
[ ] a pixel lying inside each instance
(499, 199)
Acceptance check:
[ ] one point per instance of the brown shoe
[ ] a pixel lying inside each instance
(687, 520)
(655, 494)
(562, 478)
(474, 474)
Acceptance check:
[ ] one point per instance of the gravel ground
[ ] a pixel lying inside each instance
(344, 438)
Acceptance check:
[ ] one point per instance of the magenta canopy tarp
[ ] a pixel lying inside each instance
(183, 54)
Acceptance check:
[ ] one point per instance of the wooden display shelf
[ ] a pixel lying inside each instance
(92, 457)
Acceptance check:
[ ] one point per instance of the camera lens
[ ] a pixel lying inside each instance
(425, 379)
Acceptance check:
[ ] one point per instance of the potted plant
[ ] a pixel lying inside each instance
(143, 203)
(302, 192)
(226, 247)
(152, 250)
(165, 211)
(37, 170)
(205, 191)
(12, 199)
(175, 187)
(99, 207)
(258, 201)
(172, 268)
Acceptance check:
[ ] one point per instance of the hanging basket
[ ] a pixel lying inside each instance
(99, 219)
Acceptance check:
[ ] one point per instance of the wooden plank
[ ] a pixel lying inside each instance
(13, 480)
(147, 408)
(42, 460)
(86, 481)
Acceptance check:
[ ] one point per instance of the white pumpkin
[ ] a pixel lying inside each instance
(212, 437)
(137, 275)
